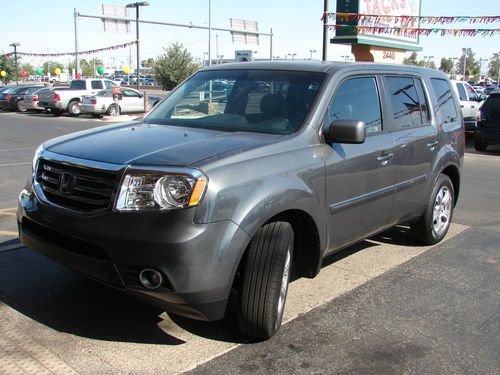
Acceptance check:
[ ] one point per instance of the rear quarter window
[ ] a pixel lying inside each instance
(446, 109)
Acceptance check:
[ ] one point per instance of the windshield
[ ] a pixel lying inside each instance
(263, 101)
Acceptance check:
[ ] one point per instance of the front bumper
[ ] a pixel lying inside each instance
(197, 261)
(488, 135)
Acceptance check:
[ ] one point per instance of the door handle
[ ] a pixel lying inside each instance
(385, 157)
(432, 145)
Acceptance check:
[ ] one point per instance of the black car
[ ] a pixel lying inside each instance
(13, 97)
(489, 89)
(488, 123)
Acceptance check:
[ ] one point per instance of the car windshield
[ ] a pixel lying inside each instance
(264, 101)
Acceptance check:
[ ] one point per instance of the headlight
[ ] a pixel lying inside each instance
(38, 152)
(164, 192)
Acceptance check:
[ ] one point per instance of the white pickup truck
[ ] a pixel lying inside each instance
(59, 101)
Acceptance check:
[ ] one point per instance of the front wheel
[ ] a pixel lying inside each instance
(265, 280)
(436, 219)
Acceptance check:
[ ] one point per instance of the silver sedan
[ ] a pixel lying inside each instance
(129, 101)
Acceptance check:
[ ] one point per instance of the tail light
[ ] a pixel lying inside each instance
(93, 101)
(57, 98)
(35, 98)
(7, 97)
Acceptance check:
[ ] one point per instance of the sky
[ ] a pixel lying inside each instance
(48, 27)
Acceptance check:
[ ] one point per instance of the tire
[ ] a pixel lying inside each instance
(479, 144)
(112, 110)
(436, 219)
(74, 108)
(265, 279)
(20, 106)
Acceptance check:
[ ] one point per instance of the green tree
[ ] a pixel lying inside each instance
(89, 68)
(149, 63)
(494, 66)
(30, 69)
(472, 66)
(51, 66)
(446, 65)
(7, 64)
(411, 60)
(174, 66)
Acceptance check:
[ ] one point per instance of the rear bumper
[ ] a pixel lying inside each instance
(197, 261)
(50, 105)
(92, 108)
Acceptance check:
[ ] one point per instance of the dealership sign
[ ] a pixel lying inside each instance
(385, 9)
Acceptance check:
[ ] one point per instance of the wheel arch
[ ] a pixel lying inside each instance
(307, 244)
(453, 173)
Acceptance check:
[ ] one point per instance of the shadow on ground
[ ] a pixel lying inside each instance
(67, 302)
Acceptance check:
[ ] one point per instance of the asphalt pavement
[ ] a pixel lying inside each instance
(384, 306)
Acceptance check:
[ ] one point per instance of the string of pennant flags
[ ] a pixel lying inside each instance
(89, 52)
(412, 32)
(402, 25)
(431, 20)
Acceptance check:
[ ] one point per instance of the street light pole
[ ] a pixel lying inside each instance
(15, 45)
(136, 6)
(464, 51)
(209, 33)
(325, 30)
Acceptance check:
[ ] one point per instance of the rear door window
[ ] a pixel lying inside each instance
(406, 106)
(357, 99)
(97, 85)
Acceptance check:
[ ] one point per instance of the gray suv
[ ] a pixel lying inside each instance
(244, 174)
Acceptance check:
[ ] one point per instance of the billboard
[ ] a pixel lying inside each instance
(379, 15)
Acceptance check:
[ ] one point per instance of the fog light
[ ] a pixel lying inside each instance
(150, 279)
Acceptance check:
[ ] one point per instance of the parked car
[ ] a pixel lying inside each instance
(69, 100)
(202, 201)
(470, 102)
(488, 124)
(491, 88)
(130, 100)
(31, 100)
(13, 97)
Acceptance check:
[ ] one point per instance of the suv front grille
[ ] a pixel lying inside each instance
(75, 187)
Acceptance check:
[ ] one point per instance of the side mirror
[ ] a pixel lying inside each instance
(482, 97)
(345, 131)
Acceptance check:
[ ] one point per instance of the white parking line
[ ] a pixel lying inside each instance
(14, 164)
(17, 149)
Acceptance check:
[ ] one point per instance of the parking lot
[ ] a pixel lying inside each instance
(385, 305)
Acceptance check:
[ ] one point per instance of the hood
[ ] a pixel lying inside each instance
(151, 144)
